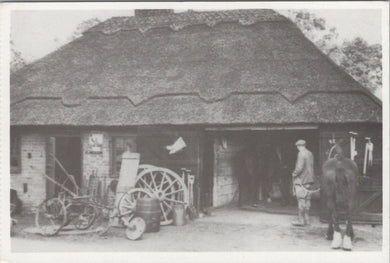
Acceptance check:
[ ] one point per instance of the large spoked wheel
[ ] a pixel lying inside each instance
(166, 186)
(127, 203)
(143, 167)
(50, 216)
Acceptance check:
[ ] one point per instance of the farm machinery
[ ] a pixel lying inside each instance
(82, 209)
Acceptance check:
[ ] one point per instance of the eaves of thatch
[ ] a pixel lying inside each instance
(216, 68)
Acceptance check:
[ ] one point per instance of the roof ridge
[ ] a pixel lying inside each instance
(177, 21)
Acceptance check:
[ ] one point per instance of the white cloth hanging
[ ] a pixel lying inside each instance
(353, 145)
(368, 155)
(370, 149)
(178, 145)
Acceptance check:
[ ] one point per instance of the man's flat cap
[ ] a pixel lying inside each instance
(300, 143)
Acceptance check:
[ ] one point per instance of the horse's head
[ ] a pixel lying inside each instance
(338, 152)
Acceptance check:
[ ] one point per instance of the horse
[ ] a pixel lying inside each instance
(248, 176)
(339, 186)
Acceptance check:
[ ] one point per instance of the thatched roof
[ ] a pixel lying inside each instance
(226, 67)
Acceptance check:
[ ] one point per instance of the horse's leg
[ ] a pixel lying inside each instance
(347, 241)
(350, 228)
(337, 240)
(329, 235)
(250, 190)
(253, 188)
(241, 191)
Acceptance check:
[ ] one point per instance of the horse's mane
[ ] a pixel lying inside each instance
(339, 152)
(341, 165)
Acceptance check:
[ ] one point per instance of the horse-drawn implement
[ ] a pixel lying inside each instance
(80, 209)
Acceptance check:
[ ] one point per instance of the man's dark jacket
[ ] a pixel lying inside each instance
(304, 171)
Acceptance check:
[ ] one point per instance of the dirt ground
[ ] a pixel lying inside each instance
(227, 229)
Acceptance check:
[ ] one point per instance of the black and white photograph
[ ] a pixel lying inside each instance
(197, 128)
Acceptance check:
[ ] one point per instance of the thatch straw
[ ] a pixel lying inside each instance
(228, 67)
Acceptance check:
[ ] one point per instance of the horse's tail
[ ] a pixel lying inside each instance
(341, 186)
(341, 177)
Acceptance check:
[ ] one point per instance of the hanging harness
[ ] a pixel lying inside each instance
(309, 190)
(368, 155)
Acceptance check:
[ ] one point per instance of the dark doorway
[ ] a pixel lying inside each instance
(68, 153)
(253, 168)
(279, 155)
(276, 155)
(207, 182)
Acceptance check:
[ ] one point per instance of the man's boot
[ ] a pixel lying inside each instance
(300, 221)
(306, 217)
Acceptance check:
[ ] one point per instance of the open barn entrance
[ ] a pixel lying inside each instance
(253, 168)
(68, 153)
(67, 150)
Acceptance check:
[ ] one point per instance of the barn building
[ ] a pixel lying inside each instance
(224, 81)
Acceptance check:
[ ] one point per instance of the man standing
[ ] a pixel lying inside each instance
(303, 178)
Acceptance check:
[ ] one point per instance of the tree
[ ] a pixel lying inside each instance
(84, 26)
(363, 62)
(316, 30)
(17, 61)
(359, 59)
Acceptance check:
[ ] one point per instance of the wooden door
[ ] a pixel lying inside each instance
(207, 184)
(227, 169)
(369, 205)
(50, 166)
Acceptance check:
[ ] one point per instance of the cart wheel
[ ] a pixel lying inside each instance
(50, 216)
(166, 186)
(127, 203)
(86, 218)
(143, 167)
(135, 228)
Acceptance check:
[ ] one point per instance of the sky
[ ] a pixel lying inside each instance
(38, 33)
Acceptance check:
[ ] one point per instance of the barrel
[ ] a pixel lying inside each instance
(178, 215)
(149, 210)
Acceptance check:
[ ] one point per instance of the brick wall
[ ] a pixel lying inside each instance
(225, 182)
(99, 162)
(96, 161)
(33, 144)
